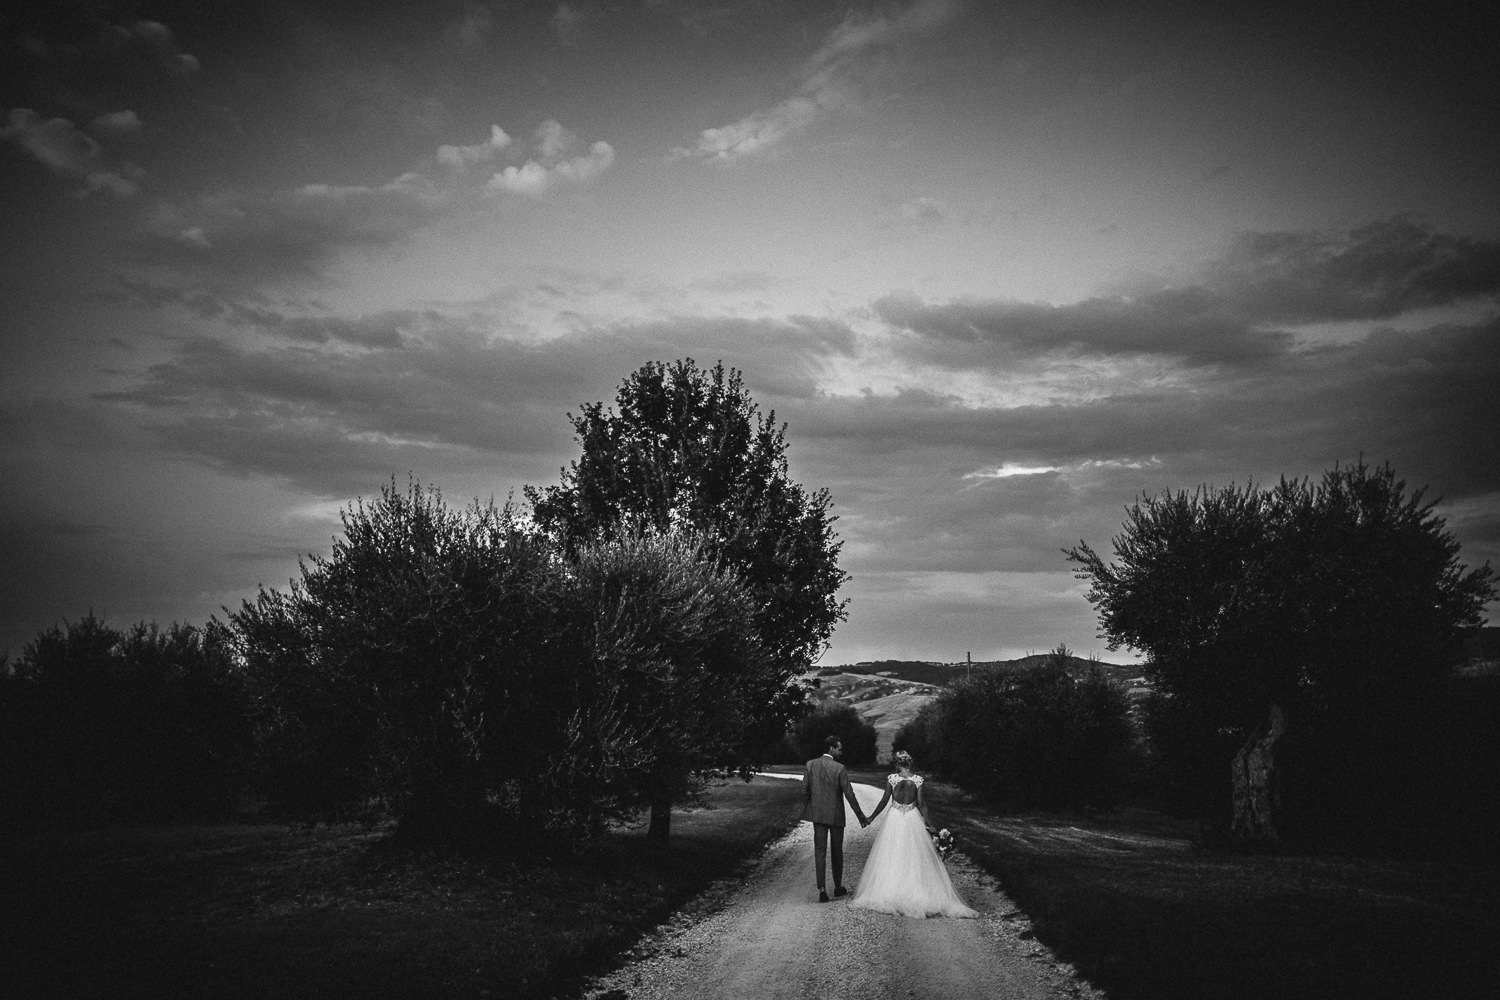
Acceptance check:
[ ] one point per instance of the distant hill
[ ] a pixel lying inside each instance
(889, 693)
(941, 674)
(885, 701)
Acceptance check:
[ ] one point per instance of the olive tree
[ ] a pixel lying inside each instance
(1329, 611)
(411, 666)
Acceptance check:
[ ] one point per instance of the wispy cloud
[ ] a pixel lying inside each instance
(63, 148)
(116, 123)
(832, 79)
(255, 234)
(920, 212)
(992, 333)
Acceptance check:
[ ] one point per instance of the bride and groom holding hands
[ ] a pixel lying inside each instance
(904, 873)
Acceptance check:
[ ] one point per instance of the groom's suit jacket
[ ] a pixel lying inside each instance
(825, 786)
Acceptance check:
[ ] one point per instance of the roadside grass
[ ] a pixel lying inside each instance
(220, 912)
(1144, 913)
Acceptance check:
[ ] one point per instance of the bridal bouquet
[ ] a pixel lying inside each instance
(944, 843)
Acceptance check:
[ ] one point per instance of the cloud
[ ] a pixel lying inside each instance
(249, 236)
(1376, 271)
(1241, 308)
(921, 212)
(116, 123)
(754, 133)
(155, 39)
(462, 157)
(63, 148)
(334, 405)
(82, 63)
(1190, 324)
(256, 234)
(832, 79)
(552, 165)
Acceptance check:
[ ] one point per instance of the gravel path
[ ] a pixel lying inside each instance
(769, 938)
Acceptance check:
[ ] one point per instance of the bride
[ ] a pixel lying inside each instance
(904, 873)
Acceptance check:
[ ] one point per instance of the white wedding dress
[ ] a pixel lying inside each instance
(904, 873)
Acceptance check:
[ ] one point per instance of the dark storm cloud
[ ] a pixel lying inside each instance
(65, 150)
(1374, 272)
(1236, 311)
(249, 238)
(1191, 324)
(376, 330)
(446, 399)
(336, 422)
(83, 59)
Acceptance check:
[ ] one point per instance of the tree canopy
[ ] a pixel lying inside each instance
(1342, 602)
(408, 664)
(687, 447)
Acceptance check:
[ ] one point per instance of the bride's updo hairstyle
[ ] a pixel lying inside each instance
(902, 757)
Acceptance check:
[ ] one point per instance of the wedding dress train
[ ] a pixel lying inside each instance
(904, 873)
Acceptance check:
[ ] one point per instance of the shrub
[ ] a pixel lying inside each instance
(809, 734)
(101, 725)
(1033, 736)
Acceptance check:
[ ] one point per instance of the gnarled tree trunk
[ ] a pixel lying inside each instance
(1256, 802)
(661, 818)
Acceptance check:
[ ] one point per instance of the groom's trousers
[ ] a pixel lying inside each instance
(823, 834)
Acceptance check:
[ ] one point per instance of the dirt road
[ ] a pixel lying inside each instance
(772, 939)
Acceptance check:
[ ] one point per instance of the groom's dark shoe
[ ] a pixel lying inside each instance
(839, 890)
(823, 896)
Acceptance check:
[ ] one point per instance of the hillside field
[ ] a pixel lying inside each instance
(889, 693)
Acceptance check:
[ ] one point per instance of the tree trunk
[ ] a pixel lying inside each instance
(1256, 802)
(661, 818)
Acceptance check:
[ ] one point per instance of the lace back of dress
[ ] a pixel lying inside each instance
(896, 779)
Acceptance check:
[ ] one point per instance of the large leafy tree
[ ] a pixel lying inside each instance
(413, 665)
(686, 447)
(665, 659)
(1341, 603)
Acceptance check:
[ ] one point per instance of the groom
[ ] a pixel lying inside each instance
(825, 786)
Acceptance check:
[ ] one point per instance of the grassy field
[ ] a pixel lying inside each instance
(262, 911)
(1143, 913)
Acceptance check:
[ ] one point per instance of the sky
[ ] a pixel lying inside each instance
(1002, 269)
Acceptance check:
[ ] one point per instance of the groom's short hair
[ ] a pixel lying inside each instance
(833, 741)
